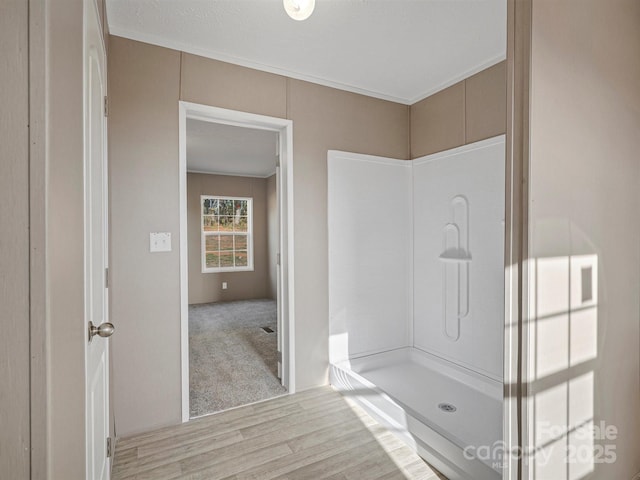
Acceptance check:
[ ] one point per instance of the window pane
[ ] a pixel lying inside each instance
(226, 224)
(226, 242)
(240, 224)
(210, 206)
(241, 242)
(241, 259)
(226, 260)
(226, 207)
(213, 259)
(212, 243)
(209, 223)
(241, 208)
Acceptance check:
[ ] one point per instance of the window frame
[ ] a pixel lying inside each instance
(204, 234)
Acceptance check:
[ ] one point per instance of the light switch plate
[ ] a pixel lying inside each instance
(160, 242)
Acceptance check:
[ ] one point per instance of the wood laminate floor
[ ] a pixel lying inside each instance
(316, 434)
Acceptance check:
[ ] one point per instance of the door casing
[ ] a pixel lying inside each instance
(286, 294)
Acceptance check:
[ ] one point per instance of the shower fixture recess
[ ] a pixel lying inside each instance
(455, 269)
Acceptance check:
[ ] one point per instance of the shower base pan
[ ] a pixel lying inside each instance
(439, 409)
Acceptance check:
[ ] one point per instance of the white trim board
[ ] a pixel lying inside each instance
(287, 298)
(361, 157)
(458, 78)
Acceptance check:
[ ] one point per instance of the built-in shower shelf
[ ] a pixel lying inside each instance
(455, 259)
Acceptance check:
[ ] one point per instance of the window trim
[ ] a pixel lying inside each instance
(249, 235)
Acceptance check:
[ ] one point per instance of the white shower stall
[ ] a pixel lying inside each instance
(416, 298)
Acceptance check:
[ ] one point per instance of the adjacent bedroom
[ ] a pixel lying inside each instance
(233, 237)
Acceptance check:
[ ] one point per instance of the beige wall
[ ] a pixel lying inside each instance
(207, 287)
(14, 241)
(470, 110)
(327, 119)
(273, 236)
(146, 83)
(145, 289)
(584, 199)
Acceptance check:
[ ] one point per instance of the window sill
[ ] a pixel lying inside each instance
(227, 270)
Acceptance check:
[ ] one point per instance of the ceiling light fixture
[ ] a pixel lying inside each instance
(299, 9)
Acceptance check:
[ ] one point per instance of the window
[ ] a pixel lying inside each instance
(227, 243)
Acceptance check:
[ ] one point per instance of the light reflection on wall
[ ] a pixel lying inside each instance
(563, 347)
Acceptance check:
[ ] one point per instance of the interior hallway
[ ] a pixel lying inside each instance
(314, 434)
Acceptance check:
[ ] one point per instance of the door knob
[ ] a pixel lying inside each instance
(104, 330)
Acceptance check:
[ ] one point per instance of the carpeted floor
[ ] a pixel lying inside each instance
(232, 361)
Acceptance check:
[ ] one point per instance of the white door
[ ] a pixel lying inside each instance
(96, 261)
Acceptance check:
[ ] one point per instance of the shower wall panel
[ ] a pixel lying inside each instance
(459, 255)
(370, 254)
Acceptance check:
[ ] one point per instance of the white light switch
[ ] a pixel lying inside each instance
(160, 242)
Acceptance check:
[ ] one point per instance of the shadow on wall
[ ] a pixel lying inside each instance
(566, 440)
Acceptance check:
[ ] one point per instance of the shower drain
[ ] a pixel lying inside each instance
(447, 407)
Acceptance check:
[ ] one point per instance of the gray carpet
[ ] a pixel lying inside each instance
(232, 361)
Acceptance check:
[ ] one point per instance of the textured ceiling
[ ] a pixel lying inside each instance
(400, 50)
(228, 150)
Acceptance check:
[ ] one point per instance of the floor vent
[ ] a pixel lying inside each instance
(447, 407)
(267, 329)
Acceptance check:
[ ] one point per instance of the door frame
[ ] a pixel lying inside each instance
(286, 299)
(517, 414)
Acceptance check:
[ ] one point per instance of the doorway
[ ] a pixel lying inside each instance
(236, 266)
